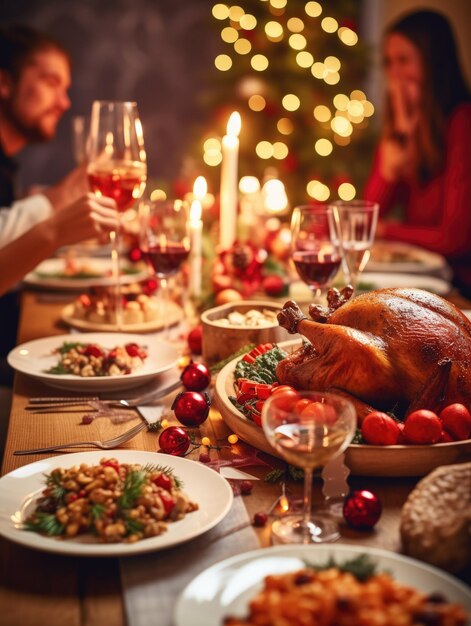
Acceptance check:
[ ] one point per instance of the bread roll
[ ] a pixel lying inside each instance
(436, 518)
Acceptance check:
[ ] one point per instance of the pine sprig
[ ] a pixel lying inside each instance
(217, 367)
(132, 526)
(362, 567)
(133, 484)
(97, 511)
(45, 524)
(54, 484)
(274, 476)
(163, 469)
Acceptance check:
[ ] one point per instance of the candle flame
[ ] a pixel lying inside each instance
(284, 504)
(195, 211)
(200, 188)
(234, 124)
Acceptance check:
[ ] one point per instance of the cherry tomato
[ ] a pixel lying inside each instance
(320, 411)
(379, 429)
(286, 399)
(422, 427)
(167, 501)
(111, 463)
(301, 405)
(456, 421)
(281, 388)
(163, 481)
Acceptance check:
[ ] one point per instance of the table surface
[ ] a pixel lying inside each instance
(42, 588)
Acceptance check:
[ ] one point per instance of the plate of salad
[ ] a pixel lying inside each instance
(248, 380)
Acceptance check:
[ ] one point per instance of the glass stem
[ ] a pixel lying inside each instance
(307, 503)
(115, 262)
(164, 306)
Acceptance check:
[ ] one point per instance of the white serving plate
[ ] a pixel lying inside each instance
(363, 460)
(34, 358)
(227, 587)
(395, 256)
(202, 484)
(378, 280)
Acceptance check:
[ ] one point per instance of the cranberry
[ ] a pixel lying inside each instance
(246, 487)
(204, 457)
(167, 501)
(260, 519)
(132, 349)
(92, 350)
(87, 419)
(111, 463)
(163, 481)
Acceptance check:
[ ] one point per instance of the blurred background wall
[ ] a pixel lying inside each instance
(161, 54)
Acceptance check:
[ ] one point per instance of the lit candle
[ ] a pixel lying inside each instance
(228, 196)
(196, 233)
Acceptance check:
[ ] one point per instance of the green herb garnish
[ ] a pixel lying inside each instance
(54, 484)
(217, 367)
(45, 524)
(133, 484)
(163, 469)
(360, 566)
(97, 511)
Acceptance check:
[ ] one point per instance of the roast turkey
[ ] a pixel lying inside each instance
(391, 349)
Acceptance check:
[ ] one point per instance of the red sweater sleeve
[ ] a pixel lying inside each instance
(377, 189)
(452, 235)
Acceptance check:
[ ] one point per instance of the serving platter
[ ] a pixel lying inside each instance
(395, 256)
(363, 460)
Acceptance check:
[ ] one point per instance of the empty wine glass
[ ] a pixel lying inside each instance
(356, 224)
(307, 434)
(116, 167)
(164, 241)
(315, 246)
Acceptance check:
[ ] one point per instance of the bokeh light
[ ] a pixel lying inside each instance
(223, 62)
(323, 147)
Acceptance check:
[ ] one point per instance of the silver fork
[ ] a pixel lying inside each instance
(114, 442)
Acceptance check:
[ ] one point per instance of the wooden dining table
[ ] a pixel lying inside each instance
(53, 590)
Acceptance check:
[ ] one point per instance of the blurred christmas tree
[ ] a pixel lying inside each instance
(292, 69)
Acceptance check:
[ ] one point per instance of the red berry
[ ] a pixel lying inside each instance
(195, 340)
(456, 421)
(92, 350)
(204, 457)
(87, 419)
(246, 487)
(379, 429)
(167, 501)
(422, 427)
(163, 481)
(260, 519)
(132, 349)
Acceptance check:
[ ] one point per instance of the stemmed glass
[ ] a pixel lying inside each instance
(164, 240)
(308, 435)
(117, 167)
(356, 224)
(315, 246)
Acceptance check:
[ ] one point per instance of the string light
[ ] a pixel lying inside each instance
(157, 195)
(297, 41)
(232, 439)
(291, 102)
(341, 102)
(229, 34)
(347, 36)
(280, 150)
(205, 441)
(259, 62)
(285, 126)
(323, 147)
(257, 103)
(264, 150)
(322, 113)
(242, 46)
(332, 78)
(304, 59)
(332, 64)
(295, 25)
(329, 24)
(274, 31)
(220, 11)
(248, 21)
(346, 191)
(223, 62)
(313, 9)
(318, 70)
(236, 13)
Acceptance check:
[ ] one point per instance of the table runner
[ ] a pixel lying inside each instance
(152, 582)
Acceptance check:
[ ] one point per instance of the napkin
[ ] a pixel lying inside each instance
(151, 413)
(152, 582)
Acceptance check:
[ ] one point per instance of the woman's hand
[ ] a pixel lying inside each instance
(85, 218)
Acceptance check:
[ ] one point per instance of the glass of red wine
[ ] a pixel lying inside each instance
(164, 241)
(117, 168)
(315, 246)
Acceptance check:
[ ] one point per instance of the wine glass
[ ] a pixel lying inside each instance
(356, 225)
(308, 435)
(116, 168)
(164, 240)
(315, 246)
(80, 137)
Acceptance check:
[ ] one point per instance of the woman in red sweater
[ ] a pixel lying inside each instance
(421, 173)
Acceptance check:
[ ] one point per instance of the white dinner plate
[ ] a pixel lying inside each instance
(97, 272)
(202, 485)
(395, 256)
(377, 280)
(227, 587)
(36, 357)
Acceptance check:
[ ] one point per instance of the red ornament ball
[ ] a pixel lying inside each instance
(174, 440)
(362, 509)
(191, 408)
(195, 377)
(195, 340)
